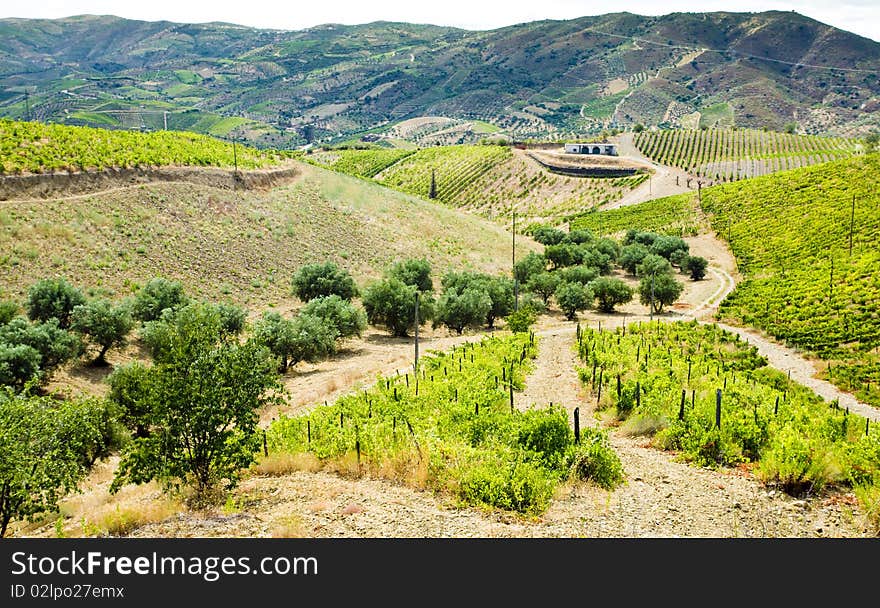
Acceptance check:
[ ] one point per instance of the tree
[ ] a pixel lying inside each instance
(610, 292)
(659, 290)
(529, 266)
(41, 456)
(306, 337)
(578, 274)
(653, 264)
(19, 363)
(53, 299)
(128, 384)
(631, 256)
(573, 297)
(54, 345)
(413, 272)
(547, 235)
(156, 296)
(432, 190)
(317, 280)
(696, 266)
(579, 237)
(593, 256)
(232, 318)
(202, 400)
(790, 128)
(665, 246)
(392, 303)
(341, 315)
(544, 285)
(500, 292)
(564, 254)
(106, 324)
(458, 310)
(609, 247)
(638, 127)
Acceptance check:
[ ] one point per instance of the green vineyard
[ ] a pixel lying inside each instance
(807, 243)
(707, 394)
(724, 155)
(33, 147)
(489, 180)
(677, 215)
(456, 432)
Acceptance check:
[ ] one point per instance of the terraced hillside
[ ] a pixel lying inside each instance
(677, 215)
(35, 147)
(486, 179)
(240, 246)
(808, 243)
(723, 155)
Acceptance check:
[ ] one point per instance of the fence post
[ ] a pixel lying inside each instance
(681, 407)
(718, 407)
(309, 430)
(265, 444)
(577, 425)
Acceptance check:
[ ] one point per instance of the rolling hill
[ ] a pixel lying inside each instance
(240, 246)
(545, 79)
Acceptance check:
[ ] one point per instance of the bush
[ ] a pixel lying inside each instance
(579, 237)
(321, 280)
(653, 264)
(53, 299)
(341, 315)
(520, 321)
(595, 460)
(526, 487)
(546, 433)
(573, 297)
(659, 290)
(392, 303)
(544, 285)
(8, 311)
(105, 324)
(232, 318)
(306, 337)
(795, 462)
(19, 364)
(158, 295)
(528, 267)
(413, 272)
(54, 345)
(696, 266)
(465, 309)
(202, 402)
(547, 235)
(665, 246)
(564, 254)
(578, 274)
(610, 292)
(128, 383)
(631, 256)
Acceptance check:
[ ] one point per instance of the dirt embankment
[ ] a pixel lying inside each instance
(48, 185)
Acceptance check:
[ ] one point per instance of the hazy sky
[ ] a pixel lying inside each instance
(858, 16)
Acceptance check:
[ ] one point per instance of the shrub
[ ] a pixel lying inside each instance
(696, 266)
(232, 318)
(306, 337)
(528, 267)
(631, 256)
(19, 364)
(657, 291)
(54, 345)
(610, 292)
(413, 272)
(573, 297)
(53, 299)
(8, 311)
(595, 460)
(158, 295)
(653, 264)
(520, 321)
(465, 309)
(546, 433)
(578, 274)
(544, 284)
(547, 235)
(392, 303)
(341, 315)
(665, 246)
(105, 324)
(317, 280)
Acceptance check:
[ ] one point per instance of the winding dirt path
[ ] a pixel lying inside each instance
(661, 183)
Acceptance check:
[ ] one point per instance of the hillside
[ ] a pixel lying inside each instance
(804, 283)
(485, 179)
(545, 79)
(238, 246)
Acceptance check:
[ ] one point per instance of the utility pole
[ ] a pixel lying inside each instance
(515, 286)
(416, 364)
(27, 106)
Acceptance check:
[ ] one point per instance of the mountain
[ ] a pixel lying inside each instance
(545, 79)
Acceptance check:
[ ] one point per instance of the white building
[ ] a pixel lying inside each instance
(593, 148)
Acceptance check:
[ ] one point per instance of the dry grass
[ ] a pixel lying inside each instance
(278, 464)
(290, 526)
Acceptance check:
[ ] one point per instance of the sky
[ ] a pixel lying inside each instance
(859, 16)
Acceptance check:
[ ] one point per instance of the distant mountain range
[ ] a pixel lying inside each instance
(545, 79)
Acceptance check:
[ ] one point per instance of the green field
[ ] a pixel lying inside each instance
(732, 154)
(677, 215)
(790, 234)
(33, 147)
